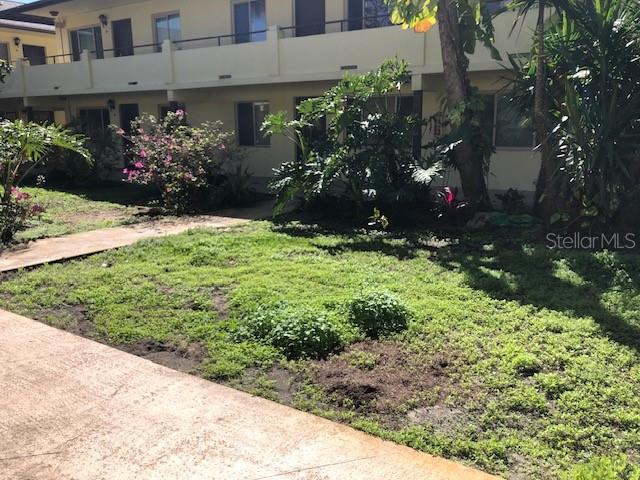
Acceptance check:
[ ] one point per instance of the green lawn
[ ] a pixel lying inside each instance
(81, 210)
(518, 360)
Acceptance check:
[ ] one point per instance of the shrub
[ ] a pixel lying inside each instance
(184, 163)
(15, 214)
(605, 468)
(297, 333)
(378, 314)
(365, 152)
(23, 147)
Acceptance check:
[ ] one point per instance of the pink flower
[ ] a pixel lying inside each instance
(125, 171)
(143, 153)
(139, 165)
(222, 147)
(180, 113)
(120, 132)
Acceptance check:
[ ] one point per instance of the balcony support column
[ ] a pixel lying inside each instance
(167, 52)
(418, 98)
(28, 111)
(273, 40)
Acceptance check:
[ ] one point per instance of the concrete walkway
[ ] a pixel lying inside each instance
(70, 246)
(71, 408)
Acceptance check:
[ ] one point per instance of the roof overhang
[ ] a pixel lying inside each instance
(21, 13)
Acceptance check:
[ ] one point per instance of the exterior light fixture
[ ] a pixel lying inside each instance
(111, 103)
(17, 41)
(54, 13)
(103, 20)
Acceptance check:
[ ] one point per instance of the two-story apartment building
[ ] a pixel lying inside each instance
(238, 60)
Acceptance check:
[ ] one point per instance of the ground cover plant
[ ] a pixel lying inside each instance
(64, 212)
(516, 359)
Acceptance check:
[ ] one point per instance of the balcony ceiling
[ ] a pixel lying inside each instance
(18, 13)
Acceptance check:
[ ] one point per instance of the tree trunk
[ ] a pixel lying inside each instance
(455, 65)
(547, 198)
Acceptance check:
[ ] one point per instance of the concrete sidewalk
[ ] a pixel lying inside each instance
(71, 408)
(71, 246)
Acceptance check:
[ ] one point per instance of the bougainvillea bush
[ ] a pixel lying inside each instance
(187, 165)
(16, 213)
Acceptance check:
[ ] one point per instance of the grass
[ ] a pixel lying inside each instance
(81, 210)
(518, 360)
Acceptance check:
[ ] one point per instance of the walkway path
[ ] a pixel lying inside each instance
(71, 408)
(70, 246)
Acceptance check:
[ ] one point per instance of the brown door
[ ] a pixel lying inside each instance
(310, 17)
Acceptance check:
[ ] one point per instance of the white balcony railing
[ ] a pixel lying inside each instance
(216, 61)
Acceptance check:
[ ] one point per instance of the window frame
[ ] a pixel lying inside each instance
(98, 54)
(154, 29)
(250, 32)
(88, 108)
(256, 131)
(494, 128)
(6, 44)
(362, 26)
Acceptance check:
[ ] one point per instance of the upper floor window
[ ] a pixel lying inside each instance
(89, 39)
(35, 54)
(167, 27)
(249, 21)
(368, 14)
(4, 52)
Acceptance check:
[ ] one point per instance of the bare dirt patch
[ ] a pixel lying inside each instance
(184, 358)
(390, 378)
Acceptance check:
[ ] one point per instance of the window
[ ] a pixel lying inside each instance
(505, 125)
(8, 115)
(167, 27)
(4, 52)
(43, 116)
(89, 39)
(250, 119)
(368, 14)
(35, 54)
(400, 104)
(94, 120)
(249, 21)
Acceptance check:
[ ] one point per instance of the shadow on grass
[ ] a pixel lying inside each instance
(119, 193)
(498, 264)
(529, 277)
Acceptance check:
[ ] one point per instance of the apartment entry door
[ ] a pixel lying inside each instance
(122, 38)
(310, 17)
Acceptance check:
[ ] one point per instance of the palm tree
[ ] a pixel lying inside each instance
(24, 145)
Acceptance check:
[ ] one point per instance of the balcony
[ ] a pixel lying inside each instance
(280, 56)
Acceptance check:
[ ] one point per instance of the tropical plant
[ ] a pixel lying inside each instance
(593, 91)
(367, 151)
(297, 333)
(378, 313)
(449, 207)
(461, 24)
(546, 198)
(24, 146)
(183, 163)
(512, 201)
